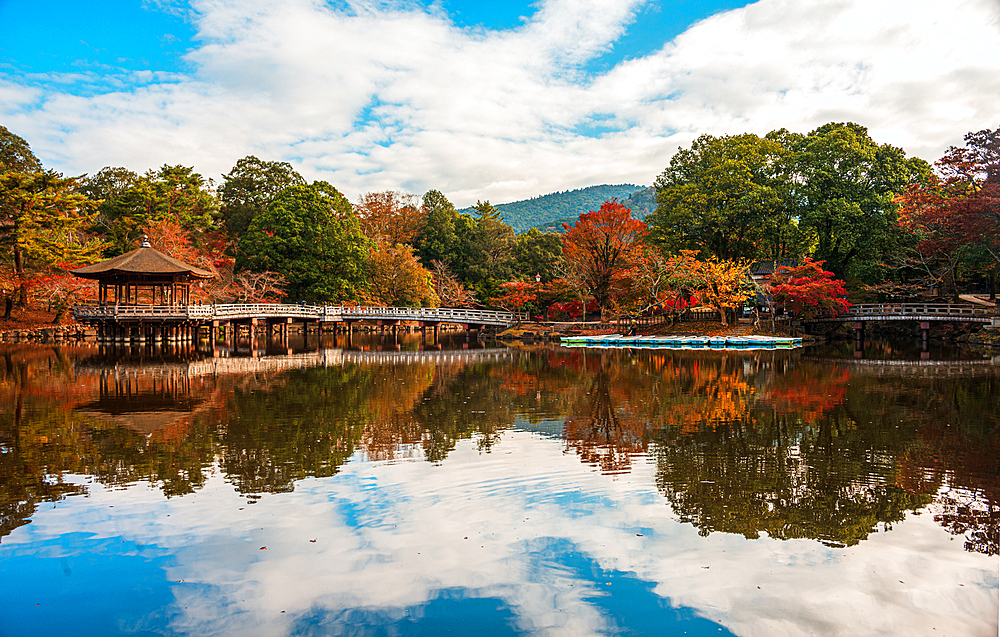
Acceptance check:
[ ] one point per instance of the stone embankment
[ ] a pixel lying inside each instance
(48, 334)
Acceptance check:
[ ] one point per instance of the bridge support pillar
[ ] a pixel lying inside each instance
(859, 339)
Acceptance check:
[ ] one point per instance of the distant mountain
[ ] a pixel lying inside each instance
(641, 202)
(550, 211)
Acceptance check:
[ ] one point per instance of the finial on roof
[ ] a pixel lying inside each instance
(145, 242)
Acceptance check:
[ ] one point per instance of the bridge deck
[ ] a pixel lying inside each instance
(324, 313)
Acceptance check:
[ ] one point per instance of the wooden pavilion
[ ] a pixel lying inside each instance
(144, 275)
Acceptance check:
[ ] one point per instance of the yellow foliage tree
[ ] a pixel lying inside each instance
(723, 284)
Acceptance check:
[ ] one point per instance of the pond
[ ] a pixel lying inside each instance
(387, 487)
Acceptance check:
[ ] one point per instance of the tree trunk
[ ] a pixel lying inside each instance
(19, 275)
(722, 315)
(8, 307)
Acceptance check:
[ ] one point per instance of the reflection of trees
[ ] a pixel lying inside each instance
(833, 467)
(747, 443)
(767, 476)
(602, 428)
(130, 423)
(957, 455)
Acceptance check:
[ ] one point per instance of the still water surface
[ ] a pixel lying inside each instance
(525, 491)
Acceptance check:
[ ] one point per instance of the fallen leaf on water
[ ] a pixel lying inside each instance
(263, 548)
(313, 541)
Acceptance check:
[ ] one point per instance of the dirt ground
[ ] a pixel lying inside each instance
(31, 319)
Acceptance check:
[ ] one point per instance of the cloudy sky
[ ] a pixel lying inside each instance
(482, 100)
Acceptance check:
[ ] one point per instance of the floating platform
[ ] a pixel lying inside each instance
(683, 342)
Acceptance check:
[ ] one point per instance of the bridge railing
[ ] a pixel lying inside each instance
(458, 315)
(143, 311)
(265, 310)
(919, 309)
(285, 310)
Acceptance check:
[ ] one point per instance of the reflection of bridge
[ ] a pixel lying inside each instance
(914, 368)
(320, 358)
(181, 322)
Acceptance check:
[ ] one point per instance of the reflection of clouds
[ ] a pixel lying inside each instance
(391, 536)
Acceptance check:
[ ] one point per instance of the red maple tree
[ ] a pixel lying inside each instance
(957, 210)
(808, 290)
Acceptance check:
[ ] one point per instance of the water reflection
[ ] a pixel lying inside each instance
(786, 444)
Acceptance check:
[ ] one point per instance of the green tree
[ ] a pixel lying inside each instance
(727, 197)
(312, 237)
(111, 190)
(15, 154)
(846, 184)
(540, 253)
(43, 219)
(438, 240)
(249, 187)
(491, 249)
(129, 202)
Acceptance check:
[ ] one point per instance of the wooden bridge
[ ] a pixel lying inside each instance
(915, 312)
(181, 322)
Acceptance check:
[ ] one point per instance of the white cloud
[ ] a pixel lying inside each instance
(494, 115)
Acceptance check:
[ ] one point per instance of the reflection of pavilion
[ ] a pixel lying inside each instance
(321, 358)
(142, 399)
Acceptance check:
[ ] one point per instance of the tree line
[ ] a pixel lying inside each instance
(878, 220)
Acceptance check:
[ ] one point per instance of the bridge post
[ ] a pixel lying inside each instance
(859, 339)
(925, 333)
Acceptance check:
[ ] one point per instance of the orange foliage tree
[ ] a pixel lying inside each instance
(955, 216)
(603, 245)
(516, 294)
(396, 278)
(390, 216)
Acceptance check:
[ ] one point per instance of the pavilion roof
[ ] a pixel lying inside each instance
(143, 260)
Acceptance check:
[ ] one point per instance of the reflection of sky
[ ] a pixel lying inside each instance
(522, 540)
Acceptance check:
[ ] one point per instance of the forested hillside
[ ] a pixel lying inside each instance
(641, 203)
(541, 211)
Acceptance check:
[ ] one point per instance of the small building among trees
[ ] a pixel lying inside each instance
(143, 276)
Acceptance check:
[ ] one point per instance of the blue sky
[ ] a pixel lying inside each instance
(483, 100)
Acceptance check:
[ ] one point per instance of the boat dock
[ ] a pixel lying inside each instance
(684, 342)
